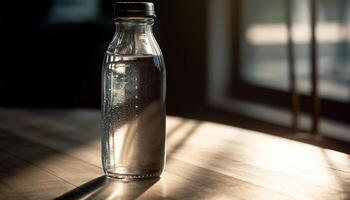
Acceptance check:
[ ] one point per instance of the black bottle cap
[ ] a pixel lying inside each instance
(134, 9)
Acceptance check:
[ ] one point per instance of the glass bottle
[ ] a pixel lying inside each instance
(133, 96)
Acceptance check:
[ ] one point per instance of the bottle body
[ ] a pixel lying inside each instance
(133, 103)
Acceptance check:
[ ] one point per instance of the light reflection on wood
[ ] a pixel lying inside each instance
(57, 152)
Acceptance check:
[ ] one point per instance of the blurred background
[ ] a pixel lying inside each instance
(246, 63)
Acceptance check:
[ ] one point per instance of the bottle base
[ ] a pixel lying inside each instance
(132, 176)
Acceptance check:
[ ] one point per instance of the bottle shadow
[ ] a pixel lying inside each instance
(109, 188)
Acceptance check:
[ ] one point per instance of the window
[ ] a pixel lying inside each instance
(250, 60)
(264, 68)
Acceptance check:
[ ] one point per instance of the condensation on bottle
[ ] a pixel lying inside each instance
(133, 96)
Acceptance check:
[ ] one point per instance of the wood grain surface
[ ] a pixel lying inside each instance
(48, 154)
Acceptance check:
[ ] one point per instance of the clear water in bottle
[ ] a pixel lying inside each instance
(133, 116)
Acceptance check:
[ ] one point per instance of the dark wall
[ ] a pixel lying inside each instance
(183, 31)
(49, 65)
(58, 65)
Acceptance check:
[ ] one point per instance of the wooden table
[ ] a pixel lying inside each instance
(47, 154)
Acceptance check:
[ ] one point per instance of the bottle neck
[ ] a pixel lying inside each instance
(139, 25)
(133, 36)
